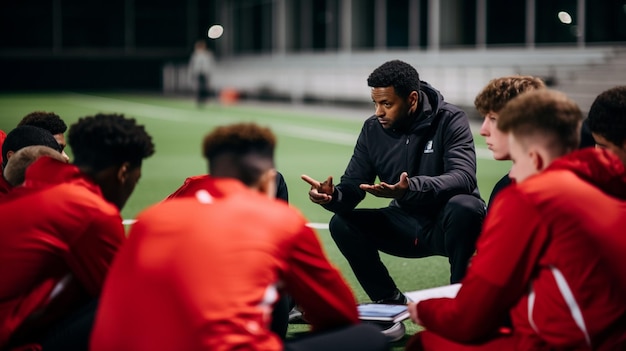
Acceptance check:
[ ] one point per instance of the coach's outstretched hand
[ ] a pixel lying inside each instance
(392, 191)
(320, 193)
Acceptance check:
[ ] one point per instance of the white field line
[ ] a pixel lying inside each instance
(200, 117)
(311, 225)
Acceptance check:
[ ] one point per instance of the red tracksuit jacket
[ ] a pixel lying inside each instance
(552, 254)
(202, 272)
(58, 238)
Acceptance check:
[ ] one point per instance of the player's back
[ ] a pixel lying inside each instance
(199, 272)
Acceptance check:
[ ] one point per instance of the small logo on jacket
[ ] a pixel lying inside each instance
(429, 147)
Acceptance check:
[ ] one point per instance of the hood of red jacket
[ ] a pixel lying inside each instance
(599, 167)
(47, 171)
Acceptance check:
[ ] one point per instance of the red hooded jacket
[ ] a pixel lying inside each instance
(552, 255)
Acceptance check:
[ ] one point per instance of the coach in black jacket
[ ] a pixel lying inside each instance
(422, 151)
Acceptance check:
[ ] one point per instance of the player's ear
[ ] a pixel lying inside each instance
(267, 183)
(122, 172)
(538, 160)
(413, 100)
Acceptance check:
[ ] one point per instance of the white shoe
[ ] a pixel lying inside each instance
(295, 316)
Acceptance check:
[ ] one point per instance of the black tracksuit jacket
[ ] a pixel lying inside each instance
(437, 151)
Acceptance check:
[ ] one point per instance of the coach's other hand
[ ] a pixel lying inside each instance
(391, 191)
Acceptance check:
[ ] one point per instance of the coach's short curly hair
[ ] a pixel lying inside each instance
(49, 121)
(607, 115)
(400, 75)
(235, 143)
(106, 140)
(501, 90)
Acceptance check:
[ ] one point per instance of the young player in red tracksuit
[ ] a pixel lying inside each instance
(280, 316)
(60, 231)
(203, 272)
(550, 251)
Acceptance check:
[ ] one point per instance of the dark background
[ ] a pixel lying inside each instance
(96, 44)
(123, 44)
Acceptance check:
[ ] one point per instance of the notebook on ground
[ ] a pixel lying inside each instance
(382, 312)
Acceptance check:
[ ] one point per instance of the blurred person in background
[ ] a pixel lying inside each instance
(49, 121)
(203, 272)
(201, 65)
(52, 273)
(607, 121)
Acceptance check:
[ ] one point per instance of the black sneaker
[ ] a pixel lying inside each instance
(393, 331)
(397, 298)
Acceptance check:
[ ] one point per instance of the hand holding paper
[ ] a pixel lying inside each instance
(425, 294)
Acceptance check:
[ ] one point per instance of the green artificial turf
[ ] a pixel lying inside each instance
(312, 141)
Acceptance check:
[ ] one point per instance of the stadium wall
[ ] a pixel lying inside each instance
(341, 78)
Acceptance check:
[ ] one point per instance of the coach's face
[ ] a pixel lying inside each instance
(391, 110)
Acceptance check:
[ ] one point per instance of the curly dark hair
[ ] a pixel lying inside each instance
(607, 115)
(400, 75)
(247, 148)
(501, 90)
(49, 121)
(106, 140)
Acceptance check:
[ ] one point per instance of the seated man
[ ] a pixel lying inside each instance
(545, 255)
(607, 121)
(283, 307)
(203, 272)
(61, 230)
